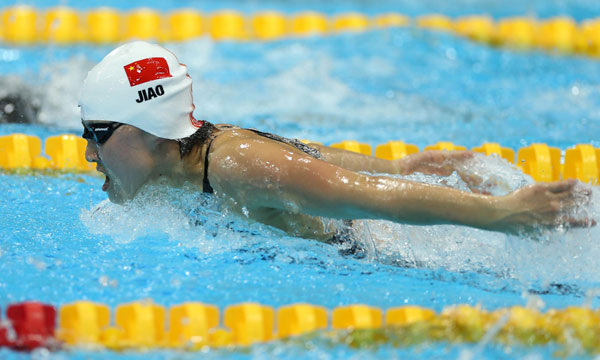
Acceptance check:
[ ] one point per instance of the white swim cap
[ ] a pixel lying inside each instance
(142, 85)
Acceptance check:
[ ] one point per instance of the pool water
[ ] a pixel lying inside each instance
(62, 241)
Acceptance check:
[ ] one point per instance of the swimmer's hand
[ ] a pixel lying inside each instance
(542, 205)
(433, 162)
(442, 163)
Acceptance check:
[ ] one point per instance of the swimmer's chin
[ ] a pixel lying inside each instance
(148, 191)
(118, 197)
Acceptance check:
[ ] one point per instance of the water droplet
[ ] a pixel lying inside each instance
(9, 108)
(451, 53)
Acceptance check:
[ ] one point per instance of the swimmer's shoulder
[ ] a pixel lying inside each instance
(226, 139)
(227, 133)
(232, 142)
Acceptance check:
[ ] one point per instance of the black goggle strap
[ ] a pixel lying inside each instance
(99, 132)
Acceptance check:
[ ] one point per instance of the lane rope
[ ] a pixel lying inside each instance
(195, 326)
(26, 25)
(19, 152)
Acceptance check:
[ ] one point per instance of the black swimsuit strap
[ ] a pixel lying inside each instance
(292, 142)
(206, 188)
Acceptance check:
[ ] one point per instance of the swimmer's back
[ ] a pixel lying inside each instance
(250, 133)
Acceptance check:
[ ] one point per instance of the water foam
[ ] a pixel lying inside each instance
(186, 216)
(546, 257)
(61, 82)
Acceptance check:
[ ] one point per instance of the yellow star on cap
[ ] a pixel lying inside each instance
(131, 68)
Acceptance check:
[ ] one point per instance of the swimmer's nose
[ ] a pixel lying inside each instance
(91, 152)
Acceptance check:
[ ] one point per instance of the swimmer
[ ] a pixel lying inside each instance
(136, 109)
(20, 103)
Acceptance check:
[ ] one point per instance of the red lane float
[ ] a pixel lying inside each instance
(31, 325)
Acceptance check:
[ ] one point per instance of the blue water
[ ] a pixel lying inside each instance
(579, 9)
(60, 241)
(399, 84)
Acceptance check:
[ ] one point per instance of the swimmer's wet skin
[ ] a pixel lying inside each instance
(272, 179)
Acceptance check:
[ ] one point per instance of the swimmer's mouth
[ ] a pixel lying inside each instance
(106, 182)
(101, 169)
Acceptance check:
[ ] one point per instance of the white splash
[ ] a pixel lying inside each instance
(62, 82)
(185, 215)
(550, 256)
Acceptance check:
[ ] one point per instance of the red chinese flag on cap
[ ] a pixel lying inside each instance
(141, 71)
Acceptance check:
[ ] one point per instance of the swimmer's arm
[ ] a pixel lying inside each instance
(358, 162)
(267, 177)
(345, 194)
(342, 194)
(428, 162)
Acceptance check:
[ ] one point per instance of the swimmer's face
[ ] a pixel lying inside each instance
(127, 159)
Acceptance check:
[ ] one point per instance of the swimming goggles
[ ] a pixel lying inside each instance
(99, 131)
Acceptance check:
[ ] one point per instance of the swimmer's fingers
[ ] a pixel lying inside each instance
(549, 205)
(582, 194)
(569, 194)
(453, 157)
(577, 223)
(568, 197)
(460, 155)
(475, 183)
(437, 157)
(561, 186)
(476, 190)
